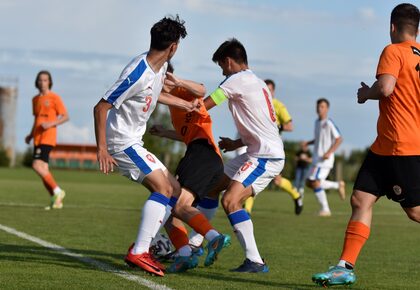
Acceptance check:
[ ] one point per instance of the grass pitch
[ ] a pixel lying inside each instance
(102, 213)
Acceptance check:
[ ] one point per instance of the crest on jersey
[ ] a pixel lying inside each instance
(150, 158)
(397, 189)
(47, 103)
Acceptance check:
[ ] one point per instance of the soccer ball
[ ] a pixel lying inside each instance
(160, 246)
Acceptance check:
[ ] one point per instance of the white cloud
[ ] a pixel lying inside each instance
(367, 14)
(71, 133)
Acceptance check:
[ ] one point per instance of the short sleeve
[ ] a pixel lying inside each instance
(59, 106)
(128, 84)
(334, 129)
(282, 114)
(390, 62)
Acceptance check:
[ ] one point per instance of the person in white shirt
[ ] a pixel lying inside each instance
(250, 103)
(327, 140)
(120, 122)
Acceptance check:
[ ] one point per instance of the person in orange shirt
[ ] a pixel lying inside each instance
(392, 166)
(49, 112)
(198, 172)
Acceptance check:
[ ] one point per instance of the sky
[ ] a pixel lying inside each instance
(311, 49)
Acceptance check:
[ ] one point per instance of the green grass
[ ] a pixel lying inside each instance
(101, 217)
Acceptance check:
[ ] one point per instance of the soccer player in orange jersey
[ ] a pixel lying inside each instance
(49, 112)
(198, 172)
(392, 166)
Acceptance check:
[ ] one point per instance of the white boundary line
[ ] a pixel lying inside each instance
(102, 266)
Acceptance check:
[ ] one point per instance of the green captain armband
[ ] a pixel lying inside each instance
(218, 96)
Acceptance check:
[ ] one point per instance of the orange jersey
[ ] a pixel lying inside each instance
(399, 114)
(46, 108)
(192, 125)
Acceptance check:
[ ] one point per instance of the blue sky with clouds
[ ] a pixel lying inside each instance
(311, 49)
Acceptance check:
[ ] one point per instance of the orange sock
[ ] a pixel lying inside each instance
(200, 224)
(50, 191)
(356, 235)
(49, 180)
(178, 237)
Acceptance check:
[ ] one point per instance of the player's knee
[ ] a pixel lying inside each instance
(414, 215)
(228, 203)
(165, 188)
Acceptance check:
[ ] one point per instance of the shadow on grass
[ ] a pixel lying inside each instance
(42, 255)
(249, 279)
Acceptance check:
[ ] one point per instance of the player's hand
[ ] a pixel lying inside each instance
(227, 144)
(47, 125)
(326, 156)
(362, 93)
(171, 80)
(195, 106)
(106, 162)
(28, 139)
(157, 130)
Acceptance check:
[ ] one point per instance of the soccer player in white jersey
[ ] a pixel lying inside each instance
(130, 102)
(250, 103)
(326, 142)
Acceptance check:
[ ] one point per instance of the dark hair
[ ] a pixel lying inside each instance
(167, 31)
(170, 68)
(231, 48)
(406, 18)
(43, 72)
(323, 100)
(270, 82)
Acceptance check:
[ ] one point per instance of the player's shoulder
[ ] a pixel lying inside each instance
(237, 77)
(392, 49)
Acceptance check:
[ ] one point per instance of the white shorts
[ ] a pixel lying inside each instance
(136, 163)
(257, 172)
(317, 172)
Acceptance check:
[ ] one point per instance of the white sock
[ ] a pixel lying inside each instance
(322, 199)
(211, 234)
(326, 184)
(57, 190)
(244, 230)
(185, 251)
(153, 213)
(341, 263)
(208, 208)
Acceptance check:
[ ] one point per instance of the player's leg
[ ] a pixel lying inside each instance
(208, 206)
(197, 221)
(338, 185)
(40, 166)
(314, 181)
(413, 213)
(251, 177)
(357, 233)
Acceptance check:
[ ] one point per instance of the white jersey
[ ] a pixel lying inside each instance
(134, 96)
(251, 105)
(325, 134)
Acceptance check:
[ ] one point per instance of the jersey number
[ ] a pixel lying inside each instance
(148, 103)
(270, 106)
(184, 130)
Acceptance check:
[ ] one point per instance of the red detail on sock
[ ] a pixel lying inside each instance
(49, 180)
(200, 224)
(357, 234)
(178, 237)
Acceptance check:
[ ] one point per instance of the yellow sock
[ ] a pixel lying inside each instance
(249, 203)
(288, 187)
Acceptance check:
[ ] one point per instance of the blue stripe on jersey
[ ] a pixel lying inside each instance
(238, 217)
(159, 197)
(208, 203)
(132, 78)
(256, 173)
(141, 164)
(172, 201)
(335, 126)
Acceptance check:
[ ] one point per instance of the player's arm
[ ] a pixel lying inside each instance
(29, 137)
(170, 100)
(227, 144)
(215, 99)
(334, 147)
(106, 162)
(62, 118)
(197, 89)
(159, 130)
(310, 142)
(383, 87)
